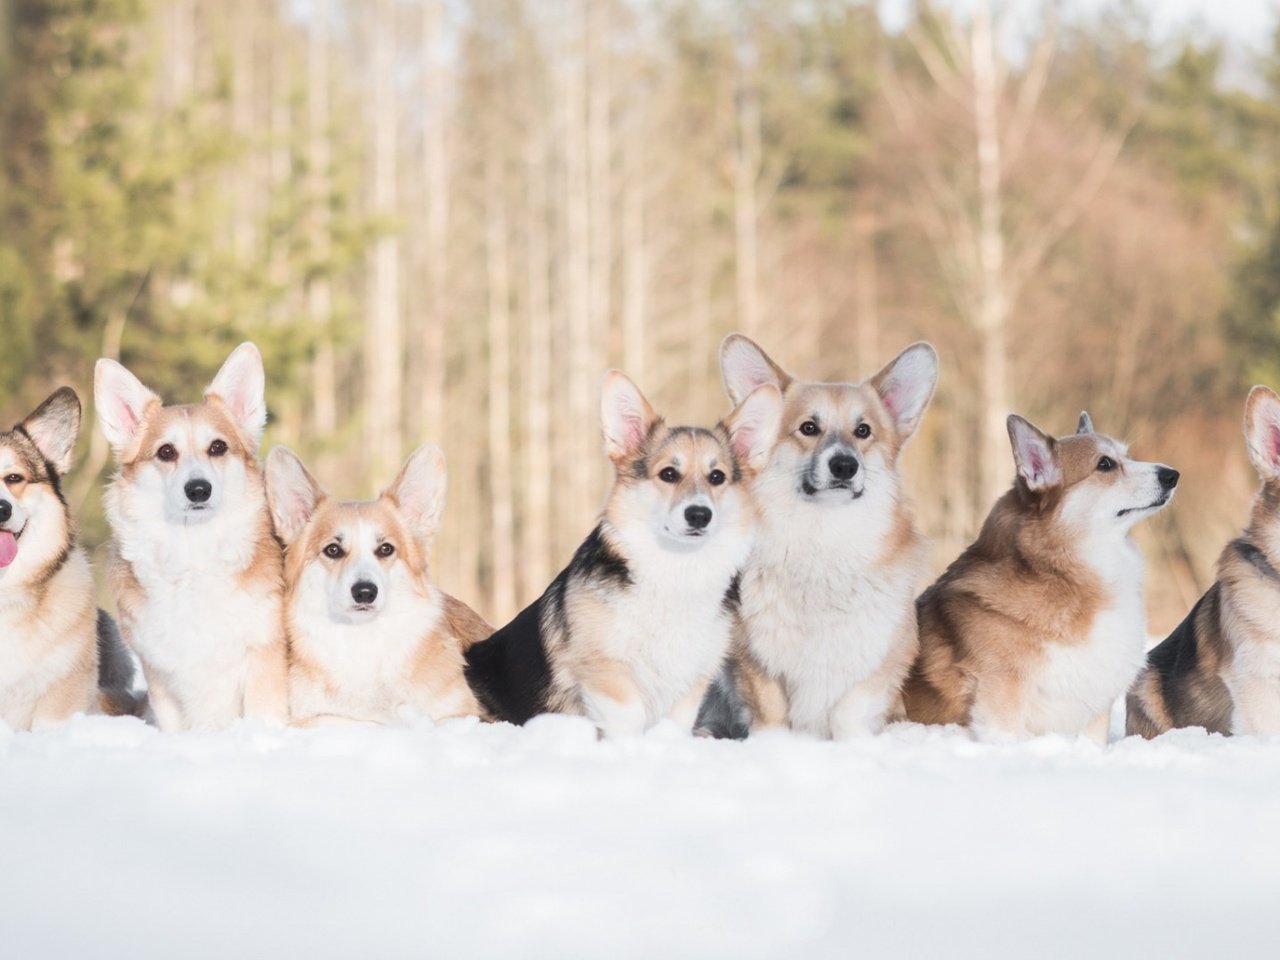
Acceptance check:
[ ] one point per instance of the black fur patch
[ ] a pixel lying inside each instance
(1255, 558)
(731, 602)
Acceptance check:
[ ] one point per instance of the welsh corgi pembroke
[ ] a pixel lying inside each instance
(59, 655)
(632, 631)
(828, 627)
(1040, 626)
(371, 638)
(197, 571)
(1220, 669)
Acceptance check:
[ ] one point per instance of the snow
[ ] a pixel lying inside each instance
(491, 841)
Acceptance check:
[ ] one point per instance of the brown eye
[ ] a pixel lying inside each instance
(13, 478)
(1106, 464)
(385, 550)
(669, 475)
(862, 431)
(334, 551)
(218, 448)
(809, 428)
(716, 477)
(168, 453)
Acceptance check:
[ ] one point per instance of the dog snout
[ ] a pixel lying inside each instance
(843, 466)
(1168, 477)
(697, 516)
(198, 491)
(363, 592)
(6, 511)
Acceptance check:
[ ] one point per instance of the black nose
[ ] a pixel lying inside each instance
(363, 592)
(843, 466)
(6, 511)
(1168, 477)
(198, 491)
(697, 517)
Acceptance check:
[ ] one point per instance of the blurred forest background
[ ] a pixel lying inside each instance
(444, 219)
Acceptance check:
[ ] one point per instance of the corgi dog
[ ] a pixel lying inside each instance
(1220, 669)
(633, 630)
(1040, 626)
(371, 638)
(198, 572)
(828, 629)
(59, 655)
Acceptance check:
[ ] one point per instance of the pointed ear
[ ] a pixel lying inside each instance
(1262, 431)
(419, 491)
(1035, 453)
(292, 493)
(625, 416)
(241, 385)
(122, 402)
(745, 366)
(1085, 424)
(753, 426)
(906, 386)
(54, 426)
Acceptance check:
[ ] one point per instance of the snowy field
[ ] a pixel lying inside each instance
(489, 841)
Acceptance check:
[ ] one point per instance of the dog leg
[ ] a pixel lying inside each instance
(862, 710)
(266, 685)
(162, 708)
(764, 695)
(74, 693)
(685, 712)
(1099, 728)
(612, 699)
(1256, 702)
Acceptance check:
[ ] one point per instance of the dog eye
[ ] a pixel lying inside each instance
(385, 550)
(669, 475)
(716, 477)
(13, 478)
(168, 453)
(862, 431)
(334, 551)
(217, 448)
(1106, 464)
(809, 428)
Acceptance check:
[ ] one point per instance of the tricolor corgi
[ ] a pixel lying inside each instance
(1040, 625)
(1220, 669)
(59, 655)
(632, 631)
(371, 638)
(197, 571)
(828, 627)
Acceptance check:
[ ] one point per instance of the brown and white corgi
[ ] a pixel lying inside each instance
(59, 655)
(197, 572)
(1040, 625)
(828, 628)
(633, 630)
(371, 638)
(1220, 669)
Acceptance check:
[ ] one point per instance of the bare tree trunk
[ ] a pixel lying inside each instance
(746, 180)
(324, 404)
(636, 258)
(238, 187)
(536, 553)
(865, 292)
(435, 171)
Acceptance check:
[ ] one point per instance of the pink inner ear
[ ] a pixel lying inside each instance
(892, 400)
(1036, 460)
(633, 429)
(1273, 442)
(743, 440)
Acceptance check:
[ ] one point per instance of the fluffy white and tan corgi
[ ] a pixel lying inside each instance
(197, 571)
(1040, 625)
(828, 627)
(371, 638)
(59, 655)
(1220, 669)
(633, 630)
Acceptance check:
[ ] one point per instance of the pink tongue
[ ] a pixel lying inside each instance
(8, 548)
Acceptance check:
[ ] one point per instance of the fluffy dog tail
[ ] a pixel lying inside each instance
(120, 690)
(724, 714)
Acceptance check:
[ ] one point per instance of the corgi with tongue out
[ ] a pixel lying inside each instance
(59, 655)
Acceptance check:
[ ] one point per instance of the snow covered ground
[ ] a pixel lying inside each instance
(490, 841)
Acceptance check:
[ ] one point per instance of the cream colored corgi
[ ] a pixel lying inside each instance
(640, 621)
(1040, 625)
(59, 654)
(371, 638)
(828, 627)
(1220, 669)
(197, 571)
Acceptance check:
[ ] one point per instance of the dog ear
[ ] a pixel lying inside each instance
(122, 402)
(54, 426)
(241, 385)
(625, 416)
(744, 366)
(906, 384)
(1085, 423)
(753, 426)
(1262, 431)
(419, 491)
(292, 493)
(1035, 453)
